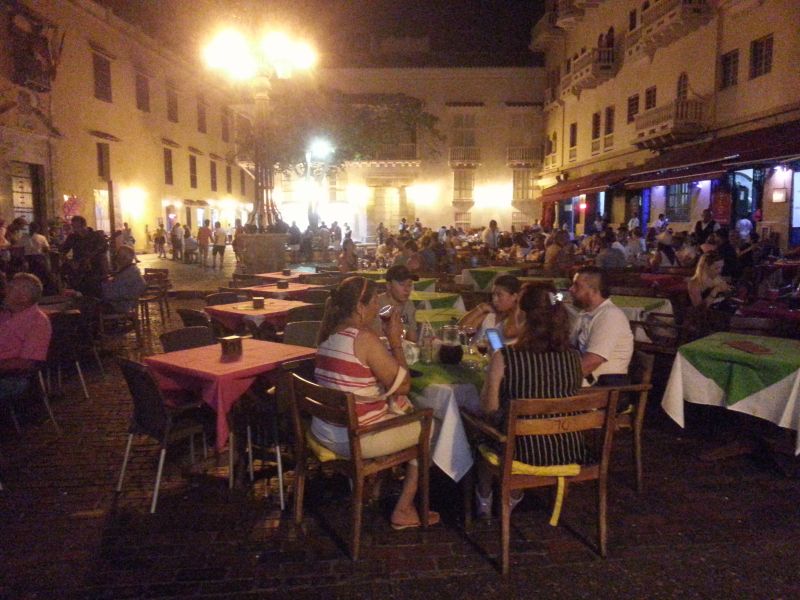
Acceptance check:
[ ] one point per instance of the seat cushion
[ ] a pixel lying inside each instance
(521, 468)
(322, 453)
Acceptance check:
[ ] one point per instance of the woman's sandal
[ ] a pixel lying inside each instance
(433, 519)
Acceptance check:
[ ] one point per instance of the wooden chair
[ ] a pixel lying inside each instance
(321, 278)
(318, 296)
(223, 298)
(665, 335)
(163, 276)
(312, 312)
(754, 325)
(338, 408)
(187, 337)
(634, 399)
(192, 318)
(301, 333)
(593, 410)
(155, 293)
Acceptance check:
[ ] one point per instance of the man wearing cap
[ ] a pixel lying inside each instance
(399, 285)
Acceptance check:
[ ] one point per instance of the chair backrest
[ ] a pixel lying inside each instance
(319, 296)
(754, 325)
(321, 279)
(640, 369)
(312, 312)
(149, 414)
(301, 333)
(153, 271)
(311, 400)
(192, 317)
(187, 337)
(222, 298)
(591, 410)
(240, 293)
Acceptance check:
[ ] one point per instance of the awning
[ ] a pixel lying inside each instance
(588, 184)
(676, 175)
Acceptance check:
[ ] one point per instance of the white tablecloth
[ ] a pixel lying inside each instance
(777, 403)
(450, 448)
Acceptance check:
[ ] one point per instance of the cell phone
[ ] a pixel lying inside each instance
(495, 339)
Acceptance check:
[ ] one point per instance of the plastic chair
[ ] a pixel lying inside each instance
(316, 296)
(64, 345)
(312, 312)
(302, 333)
(34, 377)
(338, 408)
(594, 410)
(193, 318)
(153, 418)
(188, 337)
(223, 298)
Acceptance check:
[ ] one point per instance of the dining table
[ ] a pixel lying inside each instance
(428, 300)
(446, 389)
(560, 283)
(293, 291)
(482, 278)
(772, 309)
(425, 284)
(234, 314)
(276, 276)
(754, 375)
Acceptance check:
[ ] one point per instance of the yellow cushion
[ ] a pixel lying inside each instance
(322, 453)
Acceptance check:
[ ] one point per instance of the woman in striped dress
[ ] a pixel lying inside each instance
(540, 364)
(352, 358)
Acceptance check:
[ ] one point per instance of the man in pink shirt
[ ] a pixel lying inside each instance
(203, 241)
(24, 334)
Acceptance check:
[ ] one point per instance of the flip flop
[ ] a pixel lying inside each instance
(433, 519)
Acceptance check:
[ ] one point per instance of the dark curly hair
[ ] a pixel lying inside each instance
(546, 321)
(343, 302)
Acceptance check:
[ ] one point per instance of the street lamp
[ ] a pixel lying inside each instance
(256, 62)
(320, 149)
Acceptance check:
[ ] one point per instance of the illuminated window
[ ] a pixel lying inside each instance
(102, 77)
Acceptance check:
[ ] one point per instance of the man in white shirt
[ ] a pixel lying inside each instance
(491, 236)
(219, 239)
(601, 332)
(634, 220)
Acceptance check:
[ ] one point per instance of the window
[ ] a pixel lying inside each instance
(678, 202)
(226, 125)
(760, 56)
(201, 115)
(103, 161)
(595, 126)
(573, 134)
(242, 183)
(142, 92)
(168, 166)
(633, 107)
(228, 179)
(172, 104)
(729, 69)
(609, 120)
(462, 220)
(463, 184)
(682, 90)
(464, 130)
(102, 77)
(213, 175)
(650, 98)
(192, 171)
(523, 181)
(632, 20)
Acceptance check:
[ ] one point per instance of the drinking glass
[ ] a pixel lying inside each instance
(469, 338)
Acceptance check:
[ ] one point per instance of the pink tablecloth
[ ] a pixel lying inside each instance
(663, 281)
(274, 311)
(221, 383)
(294, 291)
(771, 309)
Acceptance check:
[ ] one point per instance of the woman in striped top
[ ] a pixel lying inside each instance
(540, 364)
(352, 358)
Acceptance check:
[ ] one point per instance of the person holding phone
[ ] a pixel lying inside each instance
(501, 314)
(540, 364)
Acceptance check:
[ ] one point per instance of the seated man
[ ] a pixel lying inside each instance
(190, 250)
(399, 285)
(24, 334)
(122, 290)
(601, 331)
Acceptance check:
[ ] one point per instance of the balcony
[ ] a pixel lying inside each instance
(551, 98)
(664, 22)
(550, 161)
(405, 151)
(673, 123)
(565, 87)
(568, 14)
(593, 68)
(523, 156)
(573, 154)
(465, 155)
(545, 32)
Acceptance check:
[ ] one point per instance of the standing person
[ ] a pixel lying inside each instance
(127, 236)
(399, 285)
(348, 233)
(89, 263)
(745, 226)
(37, 255)
(601, 332)
(160, 241)
(336, 235)
(203, 242)
(176, 239)
(661, 223)
(491, 236)
(705, 227)
(633, 222)
(219, 238)
(381, 233)
(348, 259)
(238, 243)
(403, 227)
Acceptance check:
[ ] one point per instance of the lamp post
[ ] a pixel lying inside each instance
(321, 149)
(257, 62)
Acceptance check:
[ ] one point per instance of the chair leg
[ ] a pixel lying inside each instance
(15, 421)
(424, 489)
(161, 458)
(250, 452)
(191, 448)
(505, 527)
(467, 486)
(99, 362)
(205, 447)
(47, 403)
(358, 505)
(637, 457)
(299, 486)
(278, 460)
(125, 462)
(231, 455)
(83, 381)
(602, 507)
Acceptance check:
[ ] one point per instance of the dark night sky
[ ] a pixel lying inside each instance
(338, 27)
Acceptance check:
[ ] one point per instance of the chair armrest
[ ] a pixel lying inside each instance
(624, 389)
(478, 424)
(417, 415)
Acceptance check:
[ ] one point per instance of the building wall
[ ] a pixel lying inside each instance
(136, 160)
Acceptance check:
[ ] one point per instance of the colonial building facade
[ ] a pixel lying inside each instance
(98, 119)
(672, 106)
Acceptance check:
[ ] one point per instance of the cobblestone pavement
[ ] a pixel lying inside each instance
(699, 530)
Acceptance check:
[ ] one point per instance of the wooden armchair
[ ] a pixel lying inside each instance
(338, 408)
(595, 410)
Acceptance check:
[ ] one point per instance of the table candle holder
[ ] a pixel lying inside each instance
(231, 348)
(258, 302)
(283, 285)
(286, 272)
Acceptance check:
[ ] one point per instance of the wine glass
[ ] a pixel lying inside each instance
(482, 345)
(469, 338)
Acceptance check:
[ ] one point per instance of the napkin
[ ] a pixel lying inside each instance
(749, 347)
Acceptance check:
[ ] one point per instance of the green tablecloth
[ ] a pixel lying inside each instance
(423, 285)
(484, 277)
(646, 303)
(741, 374)
(439, 316)
(435, 299)
(560, 283)
(374, 275)
(444, 374)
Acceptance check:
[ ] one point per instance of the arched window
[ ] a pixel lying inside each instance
(601, 41)
(610, 38)
(682, 92)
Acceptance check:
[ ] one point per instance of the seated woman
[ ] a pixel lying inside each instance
(664, 255)
(541, 364)
(502, 313)
(352, 358)
(348, 259)
(707, 288)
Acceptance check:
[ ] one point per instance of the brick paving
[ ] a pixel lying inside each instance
(699, 530)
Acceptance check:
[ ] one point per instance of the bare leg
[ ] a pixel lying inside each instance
(405, 513)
